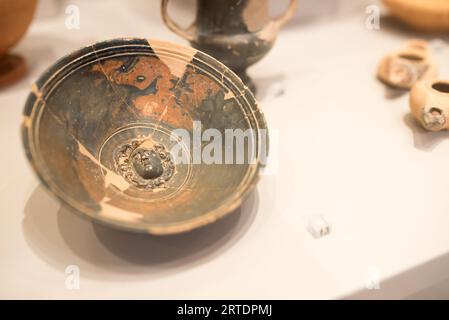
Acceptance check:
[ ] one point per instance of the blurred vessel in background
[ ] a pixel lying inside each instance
(15, 18)
(422, 15)
(237, 32)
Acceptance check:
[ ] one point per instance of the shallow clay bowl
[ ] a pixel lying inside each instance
(423, 15)
(98, 130)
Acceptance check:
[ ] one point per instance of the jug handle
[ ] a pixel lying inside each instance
(173, 26)
(284, 18)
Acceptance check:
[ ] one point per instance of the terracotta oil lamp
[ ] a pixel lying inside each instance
(403, 68)
(429, 104)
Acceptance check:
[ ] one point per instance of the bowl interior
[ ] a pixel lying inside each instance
(120, 131)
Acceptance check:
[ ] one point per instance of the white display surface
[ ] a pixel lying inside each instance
(347, 150)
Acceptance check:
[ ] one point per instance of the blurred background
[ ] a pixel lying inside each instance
(49, 38)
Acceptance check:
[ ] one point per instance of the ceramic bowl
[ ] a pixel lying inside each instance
(422, 15)
(116, 131)
(15, 18)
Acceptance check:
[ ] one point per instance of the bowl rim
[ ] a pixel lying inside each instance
(51, 78)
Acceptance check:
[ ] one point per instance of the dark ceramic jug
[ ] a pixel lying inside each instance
(237, 32)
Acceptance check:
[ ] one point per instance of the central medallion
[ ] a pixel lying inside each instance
(147, 164)
(144, 164)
